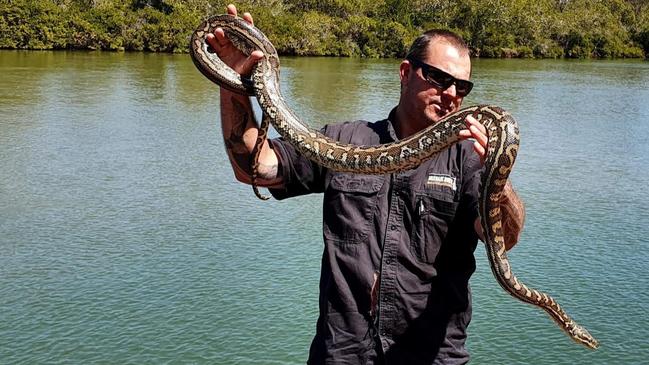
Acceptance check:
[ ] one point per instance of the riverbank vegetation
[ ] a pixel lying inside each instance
(366, 28)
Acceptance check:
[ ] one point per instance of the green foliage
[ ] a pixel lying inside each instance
(357, 28)
(640, 31)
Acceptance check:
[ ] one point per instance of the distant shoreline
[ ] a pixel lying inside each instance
(109, 51)
(369, 29)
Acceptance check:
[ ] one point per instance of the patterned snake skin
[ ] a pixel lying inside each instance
(383, 159)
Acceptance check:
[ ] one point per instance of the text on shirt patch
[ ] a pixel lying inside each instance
(442, 180)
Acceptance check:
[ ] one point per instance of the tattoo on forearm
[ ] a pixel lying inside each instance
(242, 120)
(234, 142)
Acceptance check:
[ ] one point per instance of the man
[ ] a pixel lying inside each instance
(399, 248)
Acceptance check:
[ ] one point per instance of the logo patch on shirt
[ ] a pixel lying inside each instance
(442, 180)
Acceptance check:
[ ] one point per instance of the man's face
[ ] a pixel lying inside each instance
(426, 103)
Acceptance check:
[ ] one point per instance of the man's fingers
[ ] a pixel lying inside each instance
(254, 57)
(465, 133)
(212, 41)
(477, 130)
(471, 121)
(226, 50)
(223, 40)
(247, 17)
(479, 135)
(232, 10)
(218, 41)
(477, 147)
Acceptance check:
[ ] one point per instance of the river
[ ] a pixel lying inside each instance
(124, 238)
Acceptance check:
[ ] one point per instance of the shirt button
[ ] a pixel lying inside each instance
(393, 227)
(388, 261)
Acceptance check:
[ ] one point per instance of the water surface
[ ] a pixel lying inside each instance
(125, 239)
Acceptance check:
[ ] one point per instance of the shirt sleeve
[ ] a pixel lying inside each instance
(300, 175)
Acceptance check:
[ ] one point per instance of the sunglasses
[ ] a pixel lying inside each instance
(442, 79)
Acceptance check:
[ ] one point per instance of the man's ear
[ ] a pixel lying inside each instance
(404, 71)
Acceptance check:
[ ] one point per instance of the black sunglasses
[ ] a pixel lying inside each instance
(442, 79)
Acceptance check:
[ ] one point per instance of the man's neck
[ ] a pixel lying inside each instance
(401, 125)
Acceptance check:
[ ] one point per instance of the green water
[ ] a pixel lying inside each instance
(125, 239)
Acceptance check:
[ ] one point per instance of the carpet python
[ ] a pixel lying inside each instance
(388, 158)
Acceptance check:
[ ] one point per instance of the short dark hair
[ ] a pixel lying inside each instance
(420, 45)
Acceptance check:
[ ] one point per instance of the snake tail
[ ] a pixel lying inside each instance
(501, 151)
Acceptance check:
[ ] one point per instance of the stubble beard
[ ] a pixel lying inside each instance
(434, 113)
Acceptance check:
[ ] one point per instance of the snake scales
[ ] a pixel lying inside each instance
(383, 159)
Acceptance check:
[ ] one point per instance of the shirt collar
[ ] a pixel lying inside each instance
(390, 124)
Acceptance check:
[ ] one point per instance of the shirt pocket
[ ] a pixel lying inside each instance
(349, 204)
(433, 213)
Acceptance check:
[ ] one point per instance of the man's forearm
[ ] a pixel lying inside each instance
(513, 215)
(240, 132)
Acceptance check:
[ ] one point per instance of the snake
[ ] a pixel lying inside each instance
(501, 150)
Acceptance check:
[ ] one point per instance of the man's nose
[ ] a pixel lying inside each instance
(451, 91)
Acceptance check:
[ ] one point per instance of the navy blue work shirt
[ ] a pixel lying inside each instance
(398, 253)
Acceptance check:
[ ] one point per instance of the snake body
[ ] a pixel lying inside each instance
(388, 158)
